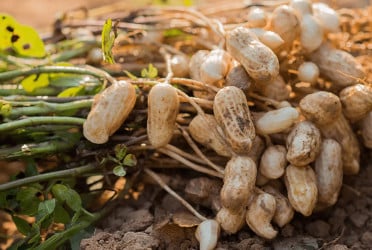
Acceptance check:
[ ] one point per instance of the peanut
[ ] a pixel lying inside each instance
(232, 114)
(163, 105)
(239, 78)
(259, 61)
(366, 130)
(285, 23)
(284, 211)
(238, 183)
(215, 67)
(337, 65)
(203, 129)
(301, 188)
(328, 171)
(324, 109)
(311, 36)
(276, 121)
(109, 111)
(207, 234)
(273, 162)
(308, 72)
(231, 222)
(260, 212)
(356, 101)
(303, 143)
(327, 16)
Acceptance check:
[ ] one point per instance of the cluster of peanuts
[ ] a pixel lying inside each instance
(290, 158)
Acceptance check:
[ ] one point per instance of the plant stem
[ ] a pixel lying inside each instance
(174, 194)
(49, 176)
(33, 121)
(48, 69)
(36, 149)
(41, 107)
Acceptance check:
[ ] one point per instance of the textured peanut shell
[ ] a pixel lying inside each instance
(284, 211)
(356, 101)
(195, 62)
(259, 61)
(232, 114)
(321, 107)
(203, 129)
(303, 143)
(301, 188)
(329, 173)
(366, 130)
(337, 65)
(238, 183)
(276, 89)
(163, 107)
(324, 109)
(231, 222)
(273, 161)
(260, 212)
(109, 111)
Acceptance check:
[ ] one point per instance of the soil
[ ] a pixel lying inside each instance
(155, 220)
(152, 222)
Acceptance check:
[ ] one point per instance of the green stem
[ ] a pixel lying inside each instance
(41, 108)
(36, 149)
(59, 238)
(46, 91)
(48, 176)
(48, 69)
(33, 121)
(25, 99)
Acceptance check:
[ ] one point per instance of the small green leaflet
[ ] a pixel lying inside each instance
(73, 91)
(150, 72)
(108, 38)
(119, 171)
(65, 194)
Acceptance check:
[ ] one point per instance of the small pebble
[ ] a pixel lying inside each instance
(367, 238)
(358, 219)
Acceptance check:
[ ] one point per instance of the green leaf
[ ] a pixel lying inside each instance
(73, 91)
(22, 226)
(33, 82)
(7, 25)
(61, 215)
(45, 208)
(74, 200)
(28, 200)
(108, 39)
(120, 151)
(150, 72)
(119, 171)
(65, 194)
(130, 160)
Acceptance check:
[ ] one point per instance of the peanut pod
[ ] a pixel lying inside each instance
(303, 143)
(231, 222)
(238, 183)
(109, 111)
(203, 129)
(259, 61)
(163, 107)
(273, 162)
(328, 171)
(232, 114)
(207, 234)
(301, 188)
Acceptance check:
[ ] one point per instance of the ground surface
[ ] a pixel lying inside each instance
(149, 222)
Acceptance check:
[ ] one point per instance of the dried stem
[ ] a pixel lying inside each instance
(198, 151)
(174, 194)
(188, 163)
(185, 154)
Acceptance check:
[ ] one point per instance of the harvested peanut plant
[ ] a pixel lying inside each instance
(258, 101)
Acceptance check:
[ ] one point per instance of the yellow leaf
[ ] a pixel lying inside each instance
(7, 25)
(33, 82)
(26, 42)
